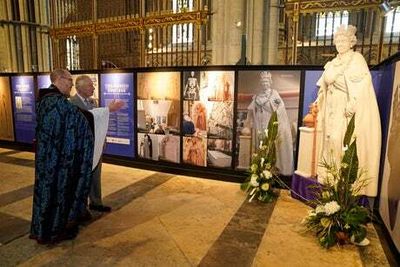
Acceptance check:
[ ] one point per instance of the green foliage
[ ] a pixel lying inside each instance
(349, 132)
(262, 172)
(338, 218)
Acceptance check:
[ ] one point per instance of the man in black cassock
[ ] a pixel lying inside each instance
(63, 161)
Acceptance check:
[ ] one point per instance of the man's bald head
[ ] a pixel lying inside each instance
(62, 79)
(57, 74)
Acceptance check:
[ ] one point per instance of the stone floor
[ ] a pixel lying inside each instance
(160, 219)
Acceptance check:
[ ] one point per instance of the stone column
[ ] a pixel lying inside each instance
(226, 36)
(13, 61)
(271, 32)
(233, 34)
(23, 46)
(255, 14)
(217, 32)
(4, 35)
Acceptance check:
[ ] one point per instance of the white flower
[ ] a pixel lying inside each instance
(320, 209)
(261, 144)
(265, 186)
(262, 162)
(311, 213)
(345, 148)
(331, 207)
(253, 180)
(267, 174)
(330, 179)
(266, 132)
(356, 187)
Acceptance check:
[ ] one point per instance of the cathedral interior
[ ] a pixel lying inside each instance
(161, 218)
(97, 34)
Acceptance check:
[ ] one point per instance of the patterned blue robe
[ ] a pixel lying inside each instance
(63, 164)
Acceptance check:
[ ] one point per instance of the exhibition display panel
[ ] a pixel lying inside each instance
(23, 95)
(158, 115)
(210, 120)
(389, 200)
(120, 134)
(6, 117)
(261, 92)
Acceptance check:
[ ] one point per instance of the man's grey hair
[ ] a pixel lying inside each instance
(82, 81)
(57, 73)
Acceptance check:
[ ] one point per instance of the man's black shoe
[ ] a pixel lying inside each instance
(85, 217)
(100, 208)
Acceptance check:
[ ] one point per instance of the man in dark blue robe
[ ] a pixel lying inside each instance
(63, 163)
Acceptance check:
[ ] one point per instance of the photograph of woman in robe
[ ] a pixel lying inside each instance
(6, 123)
(199, 116)
(146, 147)
(194, 151)
(345, 89)
(260, 110)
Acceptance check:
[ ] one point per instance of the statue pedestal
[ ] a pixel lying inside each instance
(304, 163)
(244, 151)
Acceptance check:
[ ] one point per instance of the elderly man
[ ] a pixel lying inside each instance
(63, 162)
(83, 99)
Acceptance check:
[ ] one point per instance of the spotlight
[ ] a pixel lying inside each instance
(386, 8)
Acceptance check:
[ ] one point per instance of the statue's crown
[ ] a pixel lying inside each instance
(347, 30)
(265, 75)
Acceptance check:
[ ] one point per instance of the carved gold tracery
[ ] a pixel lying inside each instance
(301, 20)
(312, 6)
(85, 28)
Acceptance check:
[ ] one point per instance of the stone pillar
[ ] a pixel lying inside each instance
(13, 63)
(255, 14)
(271, 32)
(4, 35)
(226, 36)
(248, 17)
(233, 34)
(217, 33)
(23, 42)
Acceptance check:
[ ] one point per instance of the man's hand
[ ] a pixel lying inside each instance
(115, 105)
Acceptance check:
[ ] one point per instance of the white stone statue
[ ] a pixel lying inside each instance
(345, 89)
(260, 111)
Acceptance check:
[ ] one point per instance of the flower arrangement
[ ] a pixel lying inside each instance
(337, 217)
(263, 172)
